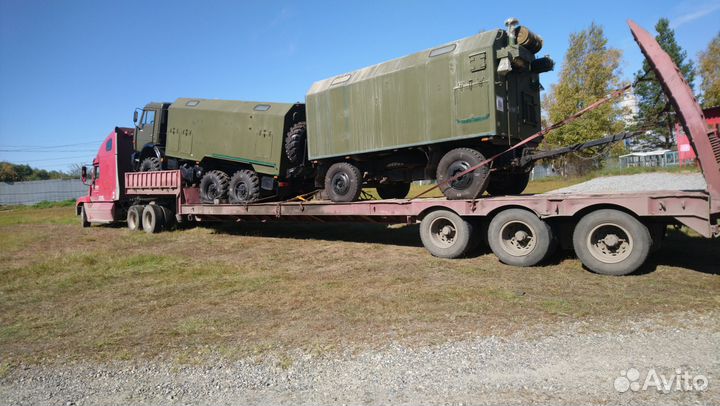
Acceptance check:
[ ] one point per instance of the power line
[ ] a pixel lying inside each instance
(96, 141)
(24, 151)
(55, 159)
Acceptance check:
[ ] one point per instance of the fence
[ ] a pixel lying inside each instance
(36, 191)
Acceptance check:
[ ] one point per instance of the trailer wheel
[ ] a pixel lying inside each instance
(214, 185)
(295, 143)
(507, 183)
(393, 190)
(611, 242)
(150, 164)
(343, 182)
(152, 219)
(470, 186)
(244, 187)
(520, 238)
(447, 235)
(83, 217)
(134, 218)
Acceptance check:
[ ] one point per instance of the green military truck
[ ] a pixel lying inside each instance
(429, 115)
(234, 149)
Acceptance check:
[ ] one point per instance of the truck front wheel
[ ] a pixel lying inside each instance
(507, 183)
(468, 186)
(150, 164)
(84, 222)
(213, 186)
(611, 242)
(244, 187)
(343, 182)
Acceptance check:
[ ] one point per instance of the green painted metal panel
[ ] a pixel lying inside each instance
(237, 131)
(447, 93)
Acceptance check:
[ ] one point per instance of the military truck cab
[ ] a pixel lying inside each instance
(150, 136)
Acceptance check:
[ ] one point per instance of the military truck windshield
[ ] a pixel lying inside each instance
(149, 118)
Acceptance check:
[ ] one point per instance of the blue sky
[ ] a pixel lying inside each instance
(70, 70)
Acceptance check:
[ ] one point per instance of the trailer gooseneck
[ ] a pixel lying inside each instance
(610, 233)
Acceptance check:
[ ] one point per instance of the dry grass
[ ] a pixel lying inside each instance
(108, 293)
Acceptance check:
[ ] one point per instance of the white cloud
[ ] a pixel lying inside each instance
(700, 12)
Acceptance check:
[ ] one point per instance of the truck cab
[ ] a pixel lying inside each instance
(150, 133)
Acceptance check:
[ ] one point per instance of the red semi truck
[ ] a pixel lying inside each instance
(610, 233)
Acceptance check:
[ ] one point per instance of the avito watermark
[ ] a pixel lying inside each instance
(680, 381)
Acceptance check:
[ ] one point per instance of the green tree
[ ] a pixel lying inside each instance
(590, 71)
(709, 71)
(656, 114)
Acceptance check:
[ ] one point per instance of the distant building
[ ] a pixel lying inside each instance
(660, 157)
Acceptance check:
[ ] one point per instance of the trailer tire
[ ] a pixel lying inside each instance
(244, 187)
(343, 182)
(150, 164)
(470, 186)
(611, 242)
(84, 222)
(393, 190)
(134, 218)
(507, 183)
(519, 237)
(447, 235)
(295, 143)
(213, 186)
(152, 219)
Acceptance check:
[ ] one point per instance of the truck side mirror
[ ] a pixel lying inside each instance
(135, 116)
(83, 175)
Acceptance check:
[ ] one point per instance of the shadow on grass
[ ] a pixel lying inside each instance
(695, 253)
(405, 235)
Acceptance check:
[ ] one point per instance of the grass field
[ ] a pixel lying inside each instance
(236, 290)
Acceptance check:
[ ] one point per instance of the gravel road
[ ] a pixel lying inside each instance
(568, 363)
(642, 182)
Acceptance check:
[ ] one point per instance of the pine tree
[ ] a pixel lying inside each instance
(656, 114)
(709, 70)
(589, 72)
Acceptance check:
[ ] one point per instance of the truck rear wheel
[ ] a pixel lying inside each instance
(393, 190)
(343, 182)
(134, 218)
(447, 235)
(518, 237)
(507, 183)
(213, 186)
(150, 164)
(152, 219)
(244, 187)
(469, 186)
(295, 143)
(611, 242)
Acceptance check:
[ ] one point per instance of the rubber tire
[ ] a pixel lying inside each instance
(503, 183)
(134, 218)
(169, 220)
(479, 178)
(219, 180)
(295, 141)
(152, 219)
(252, 183)
(464, 235)
(83, 218)
(354, 180)
(545, 241)
(150, 164)
(642, 242)
(393, 190)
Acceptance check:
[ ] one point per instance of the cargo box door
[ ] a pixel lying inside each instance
(471, 94)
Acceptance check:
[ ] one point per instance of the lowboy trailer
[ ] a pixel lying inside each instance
(610, 233)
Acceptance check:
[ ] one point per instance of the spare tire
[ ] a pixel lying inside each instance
(295, 143)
